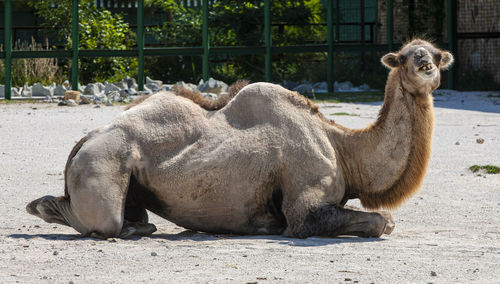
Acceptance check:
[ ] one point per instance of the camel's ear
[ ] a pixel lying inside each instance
(446, 60)
(393, 60)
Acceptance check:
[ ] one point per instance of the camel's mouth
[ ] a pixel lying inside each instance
(426, 67)
(427, 70)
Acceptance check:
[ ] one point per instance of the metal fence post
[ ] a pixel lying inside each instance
(329, 40)
(140, 44)
(74, 45)
(205, 41)
(337, 20)
(389, 25)
(8, 49)
(452, 39)
(267, 40)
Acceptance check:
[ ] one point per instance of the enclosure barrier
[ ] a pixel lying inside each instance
(332, 44)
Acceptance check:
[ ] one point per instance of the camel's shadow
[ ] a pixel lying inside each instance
(189, 235)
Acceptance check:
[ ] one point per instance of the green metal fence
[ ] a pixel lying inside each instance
(331, 46)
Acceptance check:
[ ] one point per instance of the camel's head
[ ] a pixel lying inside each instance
(420, 63)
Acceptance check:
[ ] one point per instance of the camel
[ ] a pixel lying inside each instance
(263, 162)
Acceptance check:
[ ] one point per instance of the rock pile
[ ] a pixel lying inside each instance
(126, 90)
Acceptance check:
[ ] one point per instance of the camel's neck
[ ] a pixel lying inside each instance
(386, 162)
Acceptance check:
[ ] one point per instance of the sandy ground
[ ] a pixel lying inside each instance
(448, 232)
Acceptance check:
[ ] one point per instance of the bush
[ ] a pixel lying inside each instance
(183, 28)
(33, 70)
(99, 29)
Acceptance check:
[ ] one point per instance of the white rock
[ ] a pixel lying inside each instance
(101, 86)
(320, 86)
(71, 102)
(132, 91)
(213, 86)
(66, 85)
(38, 90)
(343, 86)
(91, 89)
(188, 86)
(304, 88)
(99, 98)
(113, 96)
(110, 88)
(26, 92)
(59, 90)
(131, 83)
(364, 87)
(151, 81)
(15, 92)
(121, 85)
(84, 99)
(153, 87)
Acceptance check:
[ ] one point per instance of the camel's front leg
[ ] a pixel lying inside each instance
(331, 220)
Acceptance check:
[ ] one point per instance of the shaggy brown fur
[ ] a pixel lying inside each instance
(402, 77)
(206, 103)
(413, 175)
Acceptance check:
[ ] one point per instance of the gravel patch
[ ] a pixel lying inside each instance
(448, 232)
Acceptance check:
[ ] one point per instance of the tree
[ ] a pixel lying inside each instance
(98, 29)
(238, 23)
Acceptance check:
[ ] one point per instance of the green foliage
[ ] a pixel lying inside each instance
(182, 28)
(33, 70)
(344, 113)
(240, 23)
(183, 25)
(99, 29)
(490, 169)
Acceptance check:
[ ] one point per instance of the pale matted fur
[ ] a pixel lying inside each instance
(218, 170)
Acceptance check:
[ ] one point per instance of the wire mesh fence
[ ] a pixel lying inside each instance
(478, 44)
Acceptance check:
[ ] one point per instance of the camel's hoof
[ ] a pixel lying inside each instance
(127, 232)
(389, 222)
